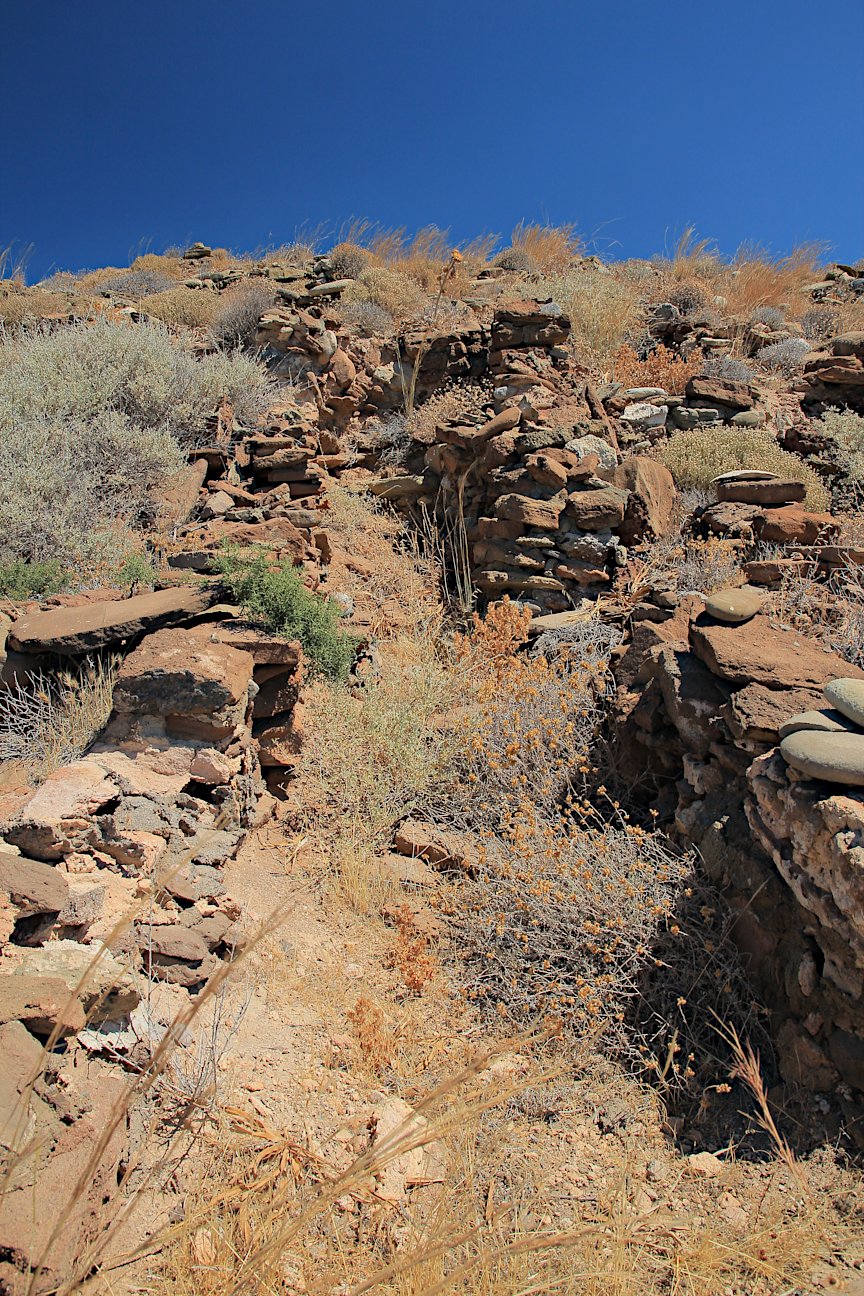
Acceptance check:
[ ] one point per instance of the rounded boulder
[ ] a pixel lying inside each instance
(734, 605)
(831, 757)
(847, 697)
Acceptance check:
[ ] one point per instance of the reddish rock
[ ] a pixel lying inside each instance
(439, 846)
(188, 677)
(547, 471)
(835, 376)
(721, 391)
(776, 491)
(597, 510)
(42, 1003)
(280, 743)
(265, 649)
(650, 508)
(67, 1134)
(733, 520)
(760, 653)
(30, 892)
(49, 822)
(531, 512)
(755, 712)
(341, 369)
(770, 571)
(173, 941)
(791, 524)
(279, 535)
(277, 691)
(503, 422)
(82, 629)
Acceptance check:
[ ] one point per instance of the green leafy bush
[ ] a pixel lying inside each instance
(278, 599)
(696, 458)
(21, 580)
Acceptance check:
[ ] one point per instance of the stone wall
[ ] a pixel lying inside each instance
(699, 711)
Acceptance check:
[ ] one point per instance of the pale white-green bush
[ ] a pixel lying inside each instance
(140, 371)
(94, 423)
(74, 491)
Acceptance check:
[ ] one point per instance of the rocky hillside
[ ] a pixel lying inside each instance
(432, 801)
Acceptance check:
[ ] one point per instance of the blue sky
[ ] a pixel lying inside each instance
(132, 126)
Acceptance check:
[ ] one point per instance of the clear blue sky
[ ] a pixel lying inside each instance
(129, 126)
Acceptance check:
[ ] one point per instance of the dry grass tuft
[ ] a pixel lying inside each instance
(696, 458)
(183, 307)
(373, 756)
(830, 610)
(549, 248)
(604, 308)
(393, 290)
(660, 368)
(47, 721)
(757, 279)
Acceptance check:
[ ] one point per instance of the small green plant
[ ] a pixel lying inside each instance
(277, 597)
(136, 569)
(20, 579)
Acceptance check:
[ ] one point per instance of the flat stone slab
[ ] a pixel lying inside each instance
(832, 757)
(734, 606)
(744, 475)
(760, 653)
(71, 630)
(776, 491)
(824, 721)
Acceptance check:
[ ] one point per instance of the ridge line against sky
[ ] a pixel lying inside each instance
(132, 127)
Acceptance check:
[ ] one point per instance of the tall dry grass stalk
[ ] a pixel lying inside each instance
(549, 248)
(47, 721)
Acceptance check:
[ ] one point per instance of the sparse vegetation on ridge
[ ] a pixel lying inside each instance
(498, 1038)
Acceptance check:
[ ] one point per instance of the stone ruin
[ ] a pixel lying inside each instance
(550, 488)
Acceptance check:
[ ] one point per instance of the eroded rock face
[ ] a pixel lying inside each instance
(835, 376)
(61, 1122)
(650, 505)
(201, 687)
(816, 839)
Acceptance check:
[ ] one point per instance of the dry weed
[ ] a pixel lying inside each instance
(454, 401)
(373, 756)
(696, 458)
(829, 608)
(549, 249)
(410, 955)
(392, 290)
(374, 1039)
(757, 279)
(604, 310)
(660, 368)
(47, 721)
(183, 307)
